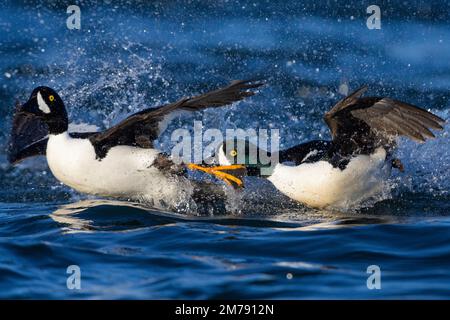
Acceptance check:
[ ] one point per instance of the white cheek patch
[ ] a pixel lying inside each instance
(41, 103)
(223, 160)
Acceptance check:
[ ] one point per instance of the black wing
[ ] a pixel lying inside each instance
(28, 136)
(311, 151)
(362, 124)
(37, 148)
(142, 128)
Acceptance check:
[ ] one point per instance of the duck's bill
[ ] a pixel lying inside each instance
(231, 175)
(28, 136)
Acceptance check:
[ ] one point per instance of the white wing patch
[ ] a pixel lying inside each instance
(41, 103)
(310, 154)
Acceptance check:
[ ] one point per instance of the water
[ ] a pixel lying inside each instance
(131, 55)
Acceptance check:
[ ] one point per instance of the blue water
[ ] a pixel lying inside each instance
(131, 55)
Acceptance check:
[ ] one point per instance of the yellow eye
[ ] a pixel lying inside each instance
(233, 153)
(51, 98)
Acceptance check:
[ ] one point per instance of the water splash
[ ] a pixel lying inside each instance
(427, 165)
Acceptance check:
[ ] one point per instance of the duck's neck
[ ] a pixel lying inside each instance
(57, 126)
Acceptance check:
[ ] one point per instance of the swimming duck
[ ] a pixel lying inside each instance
(119, 162)
(345, 171)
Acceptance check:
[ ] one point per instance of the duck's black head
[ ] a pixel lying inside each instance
(44, 113)
(243, 152)
(47, 106)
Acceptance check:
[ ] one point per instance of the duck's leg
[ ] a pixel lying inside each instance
(234, 180)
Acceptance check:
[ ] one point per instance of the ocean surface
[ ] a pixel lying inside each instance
(130, 55)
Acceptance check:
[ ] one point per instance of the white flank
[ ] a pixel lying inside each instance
(125, 171)
(320, 185)
(41, 103)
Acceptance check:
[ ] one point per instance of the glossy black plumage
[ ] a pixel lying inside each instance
(360, 125)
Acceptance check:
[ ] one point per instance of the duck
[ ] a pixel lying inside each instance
(344, 172)
(121, 161)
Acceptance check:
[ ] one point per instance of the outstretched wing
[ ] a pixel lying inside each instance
(335, 118)
(393, 117)
(365, 123)
(28, 136)
(142, 128)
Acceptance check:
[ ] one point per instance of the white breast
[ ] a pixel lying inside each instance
(320, 185)
(125, 171)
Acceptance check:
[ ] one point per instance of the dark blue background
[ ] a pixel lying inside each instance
(129, 55)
